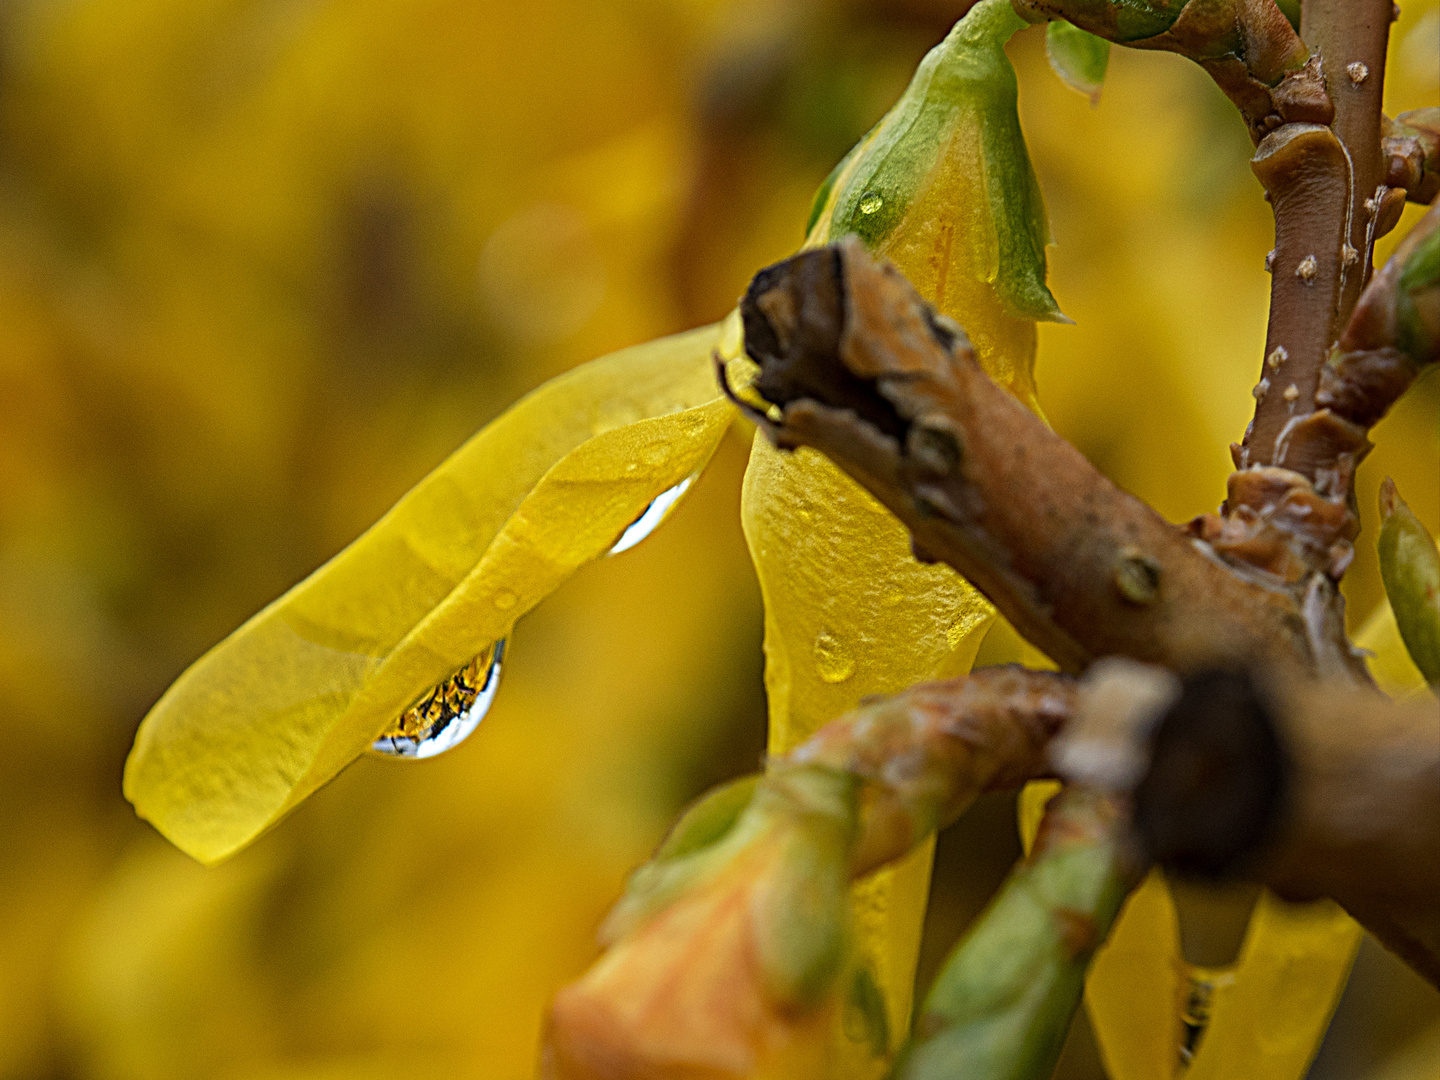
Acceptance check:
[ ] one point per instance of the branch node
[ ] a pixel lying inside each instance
(1137, 576)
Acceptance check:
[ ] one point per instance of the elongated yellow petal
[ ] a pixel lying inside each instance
(1267, 1012)
(294, 695)
(850, 612)
(943, 188)
(1288, 979)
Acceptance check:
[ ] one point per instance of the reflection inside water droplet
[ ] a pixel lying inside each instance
(871, 202)
(655, 513)
(448, 713)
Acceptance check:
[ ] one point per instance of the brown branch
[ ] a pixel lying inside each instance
(1295, 518)
(1327, 189)
(1313, 790)
(862, 370)
(1247, 46)
(927, 752)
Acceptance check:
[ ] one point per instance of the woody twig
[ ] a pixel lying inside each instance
(1327, 183)
(856, 365)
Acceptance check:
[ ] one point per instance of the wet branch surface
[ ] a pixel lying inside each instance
(857, 366)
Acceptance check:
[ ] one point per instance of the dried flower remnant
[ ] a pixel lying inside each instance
(725, 956)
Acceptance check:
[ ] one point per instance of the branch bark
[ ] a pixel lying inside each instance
(1327, 188)
(863, 370)
(1313, 790)
(1295, 518)
(1247, 46)
(926, 753)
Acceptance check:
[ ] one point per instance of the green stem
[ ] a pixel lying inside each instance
(1003, 1003)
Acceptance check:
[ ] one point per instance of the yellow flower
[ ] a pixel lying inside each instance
(311, 682)
(725, 958)
(943, 188)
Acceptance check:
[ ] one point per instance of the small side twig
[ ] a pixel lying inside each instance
(1247, 46)
(1327, 188)
(927, 752)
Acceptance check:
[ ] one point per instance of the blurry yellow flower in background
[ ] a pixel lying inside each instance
(259, 271)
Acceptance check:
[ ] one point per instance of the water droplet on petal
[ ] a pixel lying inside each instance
(831, 660)
(871, 202)
(448, 713)
(655, 513)
(504, 599)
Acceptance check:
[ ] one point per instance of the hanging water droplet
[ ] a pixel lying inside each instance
(448, 713)
(831, 660)
(655, 513)
(871, 202)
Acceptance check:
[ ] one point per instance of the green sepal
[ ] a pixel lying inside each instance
(802, 914)
(1078, 57)
(710, 832)
(1410, 567)
(1115, 20)
(965, 88)
(708, 819)
(1003, 1002)
(822, 193)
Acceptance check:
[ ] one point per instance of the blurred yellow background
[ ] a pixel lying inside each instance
(263, 263)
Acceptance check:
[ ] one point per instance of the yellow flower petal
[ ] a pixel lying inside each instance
(294, 695)
(1265, 1023)
(943, 188)
(850, 612)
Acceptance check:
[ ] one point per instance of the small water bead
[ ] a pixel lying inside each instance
(871, 202)
(655, 513)
(448, 713)
(505, 599)
(832, 661)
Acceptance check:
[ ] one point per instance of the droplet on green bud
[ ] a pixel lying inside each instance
(943, 185)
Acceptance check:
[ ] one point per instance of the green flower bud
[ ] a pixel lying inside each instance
(1002, 1004)
(1410, 567)
(1417, 300)
(945, 179)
